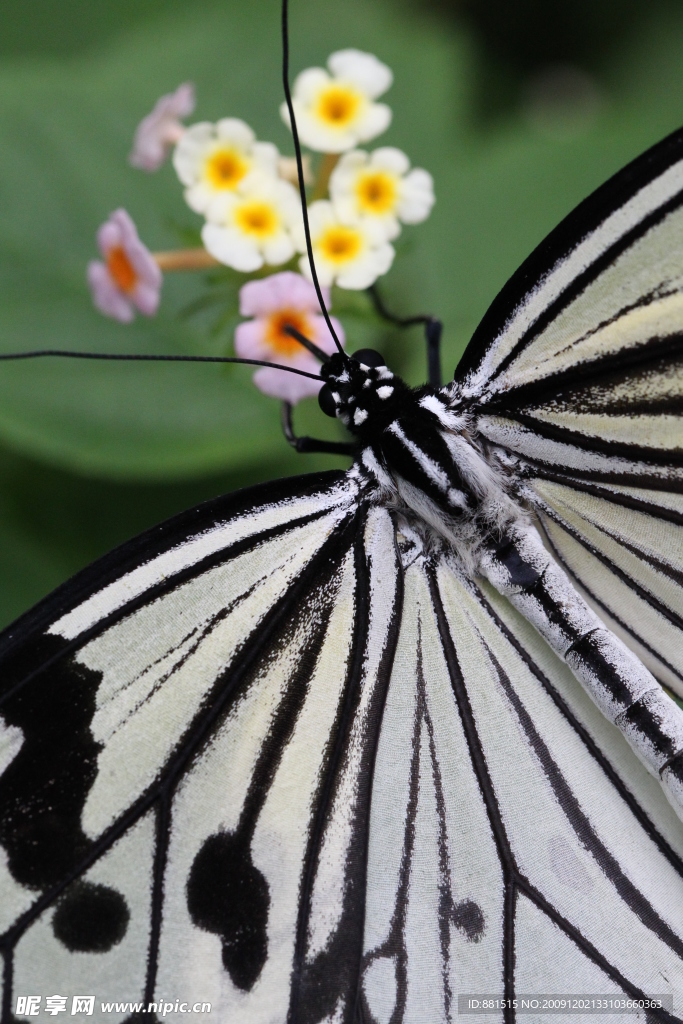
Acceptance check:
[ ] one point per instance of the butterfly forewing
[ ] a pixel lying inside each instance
(577, 372)
(216, 667)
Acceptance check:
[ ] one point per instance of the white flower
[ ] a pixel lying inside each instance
(380, 189)
(213, 160)
(161, 129)
(334, 112)
(345, 253)
(253, 225)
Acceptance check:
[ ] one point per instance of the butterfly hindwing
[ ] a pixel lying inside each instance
(515, 844)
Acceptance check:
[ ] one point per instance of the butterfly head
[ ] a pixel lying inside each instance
(359, 390)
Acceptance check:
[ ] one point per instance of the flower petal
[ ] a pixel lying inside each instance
(324, 270)
(288, 387)
(367, 268)
(317, 136)
(364, 70)
(417, 196)
(250, 337)
(157, 132)
(390, 158)
(279, 249)
(308, 84)
(375, 120)
(146, 297)
(189, 149)
(105, 294)
(182, 101)
(232, 129)
(108, 237)
(231, 247)
(284, 290)
(267, 157)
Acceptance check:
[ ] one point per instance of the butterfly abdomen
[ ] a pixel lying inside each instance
(624, 690)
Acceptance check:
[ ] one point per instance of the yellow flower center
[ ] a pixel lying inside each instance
(338, 105)
(376, 192)
(257, 218)
(121, 269)
(283, 344)
(340, 244)
(225, 168)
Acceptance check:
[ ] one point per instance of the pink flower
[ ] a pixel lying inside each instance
(129, 279)
(161, 129)
(275, 302)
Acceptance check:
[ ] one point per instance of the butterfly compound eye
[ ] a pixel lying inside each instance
(326, 401)
(368, 357)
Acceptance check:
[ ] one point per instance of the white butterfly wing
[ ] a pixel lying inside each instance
(510, 851)
(188, 754)
(577, 371)
(291, 768)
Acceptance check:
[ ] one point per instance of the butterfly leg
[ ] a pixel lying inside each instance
(311, 444)
(521, 569)
(433, 329)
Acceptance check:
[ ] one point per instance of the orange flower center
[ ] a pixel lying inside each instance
(226, 168)
(338, 105)
(376, 191)
(121, 269)
(257, 218)
(281, 343)
(339, 244)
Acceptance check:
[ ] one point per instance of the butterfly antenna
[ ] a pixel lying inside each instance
(137, 357)
(307, 343)
(300, 174)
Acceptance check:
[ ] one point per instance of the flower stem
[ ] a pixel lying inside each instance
(185, 259)
(327, 165)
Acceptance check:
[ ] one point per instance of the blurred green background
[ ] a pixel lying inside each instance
(519, 108)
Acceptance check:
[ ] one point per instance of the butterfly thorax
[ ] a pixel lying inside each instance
(423, 455)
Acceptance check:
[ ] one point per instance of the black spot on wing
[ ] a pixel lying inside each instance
(228, 895)
(90, 918)
(43, 790)
(468, 918)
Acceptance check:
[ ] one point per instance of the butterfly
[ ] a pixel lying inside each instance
(385, 745)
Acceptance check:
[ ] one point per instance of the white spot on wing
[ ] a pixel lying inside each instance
(379, 985)
(11, 739)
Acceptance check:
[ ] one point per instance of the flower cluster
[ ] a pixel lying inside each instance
(248, 196)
